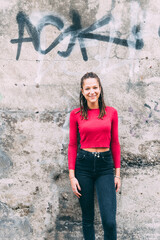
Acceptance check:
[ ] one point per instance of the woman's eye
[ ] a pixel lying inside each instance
(91, 88)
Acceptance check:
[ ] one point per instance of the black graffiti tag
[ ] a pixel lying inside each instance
(75, 31)
(34, 32)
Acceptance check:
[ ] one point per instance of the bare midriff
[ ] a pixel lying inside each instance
(96, 149)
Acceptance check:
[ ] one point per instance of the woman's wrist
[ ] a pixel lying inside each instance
(71, 174)
(71, 178)
(117, 172)
(117, 176)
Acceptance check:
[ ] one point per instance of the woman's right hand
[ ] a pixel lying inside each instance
(75, 186)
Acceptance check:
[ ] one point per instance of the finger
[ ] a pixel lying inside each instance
(115, 184)
(77, 194)
(118, 187)
(79, 188)
(75, 191)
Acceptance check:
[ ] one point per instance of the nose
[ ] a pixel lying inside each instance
(92, 90)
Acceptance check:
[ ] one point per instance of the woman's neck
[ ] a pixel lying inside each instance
(93, 106)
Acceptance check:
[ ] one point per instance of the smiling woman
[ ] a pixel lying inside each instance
(91, 91)
(93, 164)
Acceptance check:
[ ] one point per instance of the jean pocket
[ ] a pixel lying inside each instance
(107, 159)
(80, 156)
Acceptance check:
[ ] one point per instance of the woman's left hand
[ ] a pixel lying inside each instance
(117, 182)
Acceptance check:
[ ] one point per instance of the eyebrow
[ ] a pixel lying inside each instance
(93, 86)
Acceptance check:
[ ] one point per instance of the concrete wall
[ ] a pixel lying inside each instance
(46, 46)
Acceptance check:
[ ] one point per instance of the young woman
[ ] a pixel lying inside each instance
(93, 165)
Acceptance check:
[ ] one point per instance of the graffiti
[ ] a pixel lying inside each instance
(153, 108)
(75, 31)
(150, 114)
(34, 32)
(156, 107)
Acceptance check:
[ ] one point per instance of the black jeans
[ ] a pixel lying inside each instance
(96, 169)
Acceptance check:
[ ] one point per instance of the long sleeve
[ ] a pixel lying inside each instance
(115, 146)
(72, 147)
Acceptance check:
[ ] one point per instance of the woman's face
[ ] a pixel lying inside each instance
(91, 90)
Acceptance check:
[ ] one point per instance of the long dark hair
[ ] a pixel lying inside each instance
(83, 101)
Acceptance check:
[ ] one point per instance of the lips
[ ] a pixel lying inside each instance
(93, 96)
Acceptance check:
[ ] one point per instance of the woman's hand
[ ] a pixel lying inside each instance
(75, 186)
(117, 182)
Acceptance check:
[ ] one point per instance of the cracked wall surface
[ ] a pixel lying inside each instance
(46, 47)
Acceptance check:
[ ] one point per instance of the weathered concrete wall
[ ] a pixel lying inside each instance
(120, 41)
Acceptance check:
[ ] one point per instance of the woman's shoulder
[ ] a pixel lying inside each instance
(75, 111)
(111, 109)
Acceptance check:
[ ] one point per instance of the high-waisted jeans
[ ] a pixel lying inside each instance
(96, 170)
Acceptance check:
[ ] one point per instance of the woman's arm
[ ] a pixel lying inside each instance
(116, 151)
(72, 146)
(115, 146)
(72, 154)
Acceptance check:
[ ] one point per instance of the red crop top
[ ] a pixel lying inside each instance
(94, 132)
